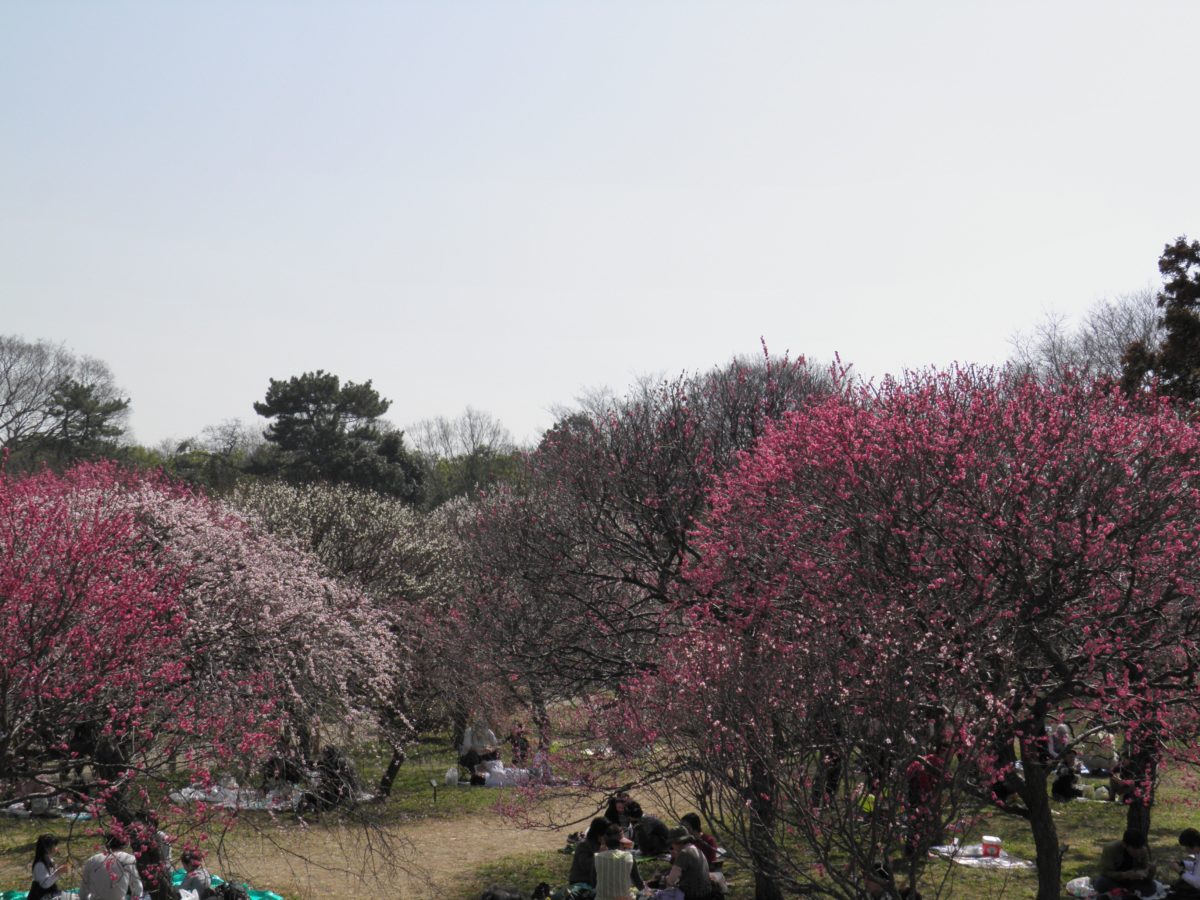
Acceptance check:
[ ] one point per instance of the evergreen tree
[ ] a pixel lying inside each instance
(323, 430)
(85, 424)
(1176, 362)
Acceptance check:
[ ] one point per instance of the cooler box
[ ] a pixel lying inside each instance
(991, 845)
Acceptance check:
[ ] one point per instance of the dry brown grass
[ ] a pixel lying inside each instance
(416, 860)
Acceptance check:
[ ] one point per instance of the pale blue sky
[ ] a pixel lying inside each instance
(502, 204)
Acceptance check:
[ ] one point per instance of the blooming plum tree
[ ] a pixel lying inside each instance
(146, 625)
(260, 610)
(956, 556)
(94, 662)
(407, 562)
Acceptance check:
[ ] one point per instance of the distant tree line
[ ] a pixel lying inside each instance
(58, 409)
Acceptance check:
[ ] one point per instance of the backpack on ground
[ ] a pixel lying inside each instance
(228, 891)
(499, 893)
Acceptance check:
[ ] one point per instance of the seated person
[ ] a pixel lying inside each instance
(616, 869)
(1064, 787)
(196, 877)
(689, 870)
(1097, 754)
(46, 871)
(706, 843)
(616, 809)
(1058, 740)
(1126, 864)
(1188, 868)
(111, 874)
(1006, 791)
(649, 834)
(878, 885)
(1121, 782)
(478, 744)
(583, 866)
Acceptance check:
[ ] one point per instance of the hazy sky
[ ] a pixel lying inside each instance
(501, 204)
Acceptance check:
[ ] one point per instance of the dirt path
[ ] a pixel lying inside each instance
(410, 863)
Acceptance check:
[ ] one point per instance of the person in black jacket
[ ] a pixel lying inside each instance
(650, 835)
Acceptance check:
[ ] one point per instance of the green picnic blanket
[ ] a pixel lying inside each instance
(176, 879)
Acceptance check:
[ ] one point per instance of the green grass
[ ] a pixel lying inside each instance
(414, 797)
(1083, 826)
(523, 871)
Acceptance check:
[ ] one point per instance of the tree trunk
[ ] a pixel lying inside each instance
(1041, 822)
(458, 720)
(393, 769)
(541, 720)
(1142, 767)
(109, 764)
(762, 849)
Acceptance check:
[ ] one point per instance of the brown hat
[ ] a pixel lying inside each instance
(680, 835)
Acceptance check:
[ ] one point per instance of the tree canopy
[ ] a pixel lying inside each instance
(56, 407)
(323, 430)
(85, 424)
(98, 663)
(1175, 364)
(944, 562)
(464, 456)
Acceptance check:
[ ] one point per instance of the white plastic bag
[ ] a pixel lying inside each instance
(452, 775)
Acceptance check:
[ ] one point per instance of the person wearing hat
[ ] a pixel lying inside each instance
(705, 843)
(689, 868)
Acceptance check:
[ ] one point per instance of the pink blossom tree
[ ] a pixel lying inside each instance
(94, 665)
(261, 610)
(987, 550)
(407, 563)
(148, 625)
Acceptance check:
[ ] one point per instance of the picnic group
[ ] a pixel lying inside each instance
(605, 858)
(604, 861)
(114, 873)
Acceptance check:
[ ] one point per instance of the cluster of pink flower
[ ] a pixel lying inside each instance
(843, 616)
(144, 626)
(897, 590)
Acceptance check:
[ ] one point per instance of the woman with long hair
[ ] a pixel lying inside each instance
(583, 864)
(45, 870)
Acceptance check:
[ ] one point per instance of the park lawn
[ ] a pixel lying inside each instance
(1084, 827)
(413, 800)
(420, 791)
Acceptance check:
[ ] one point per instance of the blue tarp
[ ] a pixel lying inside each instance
(176, 879)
